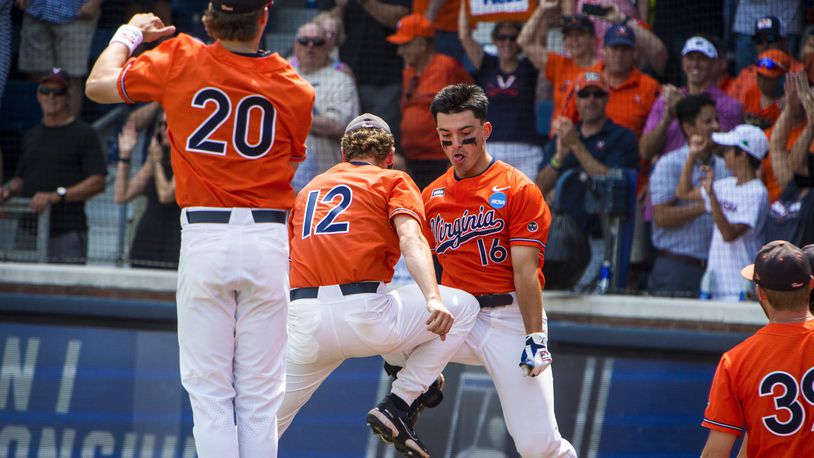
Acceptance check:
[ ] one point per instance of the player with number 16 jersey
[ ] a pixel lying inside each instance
(479, 219)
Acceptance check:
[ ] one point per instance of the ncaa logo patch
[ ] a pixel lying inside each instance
(532, 227)
(438, 192)
(497, 200)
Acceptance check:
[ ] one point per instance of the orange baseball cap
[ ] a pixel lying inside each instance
(591, 79)
(773, 63)
(411, 27)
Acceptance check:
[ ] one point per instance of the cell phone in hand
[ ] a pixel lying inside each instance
(595, 10)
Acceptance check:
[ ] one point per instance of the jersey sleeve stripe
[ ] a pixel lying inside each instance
(399, 210)
(518, 239)
(122, 89)
(723, 425)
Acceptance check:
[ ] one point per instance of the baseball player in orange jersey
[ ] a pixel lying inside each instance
(237, 120)
(347, 230)
(488, 225)
(765, 385)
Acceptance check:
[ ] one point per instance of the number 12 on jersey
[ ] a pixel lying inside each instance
(326, 225)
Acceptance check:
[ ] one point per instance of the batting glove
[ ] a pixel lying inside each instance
(535, 358)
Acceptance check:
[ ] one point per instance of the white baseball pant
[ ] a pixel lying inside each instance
(496, 342)
(232, 308)
(325, 331)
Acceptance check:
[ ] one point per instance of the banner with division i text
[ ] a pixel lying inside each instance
(85, 391)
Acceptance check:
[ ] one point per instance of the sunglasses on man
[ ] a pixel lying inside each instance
(306, 41)
(510, 38)
(588, 94)
(57, 91)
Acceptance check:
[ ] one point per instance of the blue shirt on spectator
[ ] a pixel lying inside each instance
(615, 147)
(511, 100)
(693, 238)
(54, 11)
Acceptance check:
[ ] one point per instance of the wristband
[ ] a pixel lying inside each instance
(129, 36)
(125, 160)
(554, 163)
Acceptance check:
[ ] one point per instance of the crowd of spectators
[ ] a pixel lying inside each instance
(708, 103)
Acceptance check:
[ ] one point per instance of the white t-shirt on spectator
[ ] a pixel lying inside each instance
(745, 204)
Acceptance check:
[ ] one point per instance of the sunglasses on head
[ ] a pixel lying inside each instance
(305, 41)
(769, 64)
(58, 91)
(501, 37)
(587, 94)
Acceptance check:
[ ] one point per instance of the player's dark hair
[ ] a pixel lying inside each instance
(458, 98)
(500, 26)
(367, 142)
(688, 109)
(232, 26)
(788, 300)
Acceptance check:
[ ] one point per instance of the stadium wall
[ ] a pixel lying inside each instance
(90, 369)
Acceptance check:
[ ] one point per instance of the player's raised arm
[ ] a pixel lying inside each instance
(416, 252)
(101, 83)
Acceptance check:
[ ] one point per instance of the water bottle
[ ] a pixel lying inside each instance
(603, 283)
(707, 285)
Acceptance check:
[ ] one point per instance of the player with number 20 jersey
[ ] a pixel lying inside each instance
(237, 121)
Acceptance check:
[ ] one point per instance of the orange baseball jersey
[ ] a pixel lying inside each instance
(234, 121)
(340, 229)
(765, 387)
(473, 222)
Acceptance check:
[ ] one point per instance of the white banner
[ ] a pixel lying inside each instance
(484, 7)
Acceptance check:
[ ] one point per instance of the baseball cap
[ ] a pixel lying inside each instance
(746, 137)
(620, 34)
(590, 79)
(56, 76)
(700, 44)
(578, 22)
(779, 266)
(411, 27)
(808, 250)
(773, 63)
(769, 26)
(367, 121)
(239, 6)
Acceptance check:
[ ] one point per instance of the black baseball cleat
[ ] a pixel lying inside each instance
(431, 398)
(394, 425)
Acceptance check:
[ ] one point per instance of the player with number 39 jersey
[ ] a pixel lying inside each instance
(479, 219)
(237, 119)
(765, 385)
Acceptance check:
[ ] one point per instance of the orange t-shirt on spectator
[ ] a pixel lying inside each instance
(756, 114)
(447, 17)
(419, 140)
(767, 174)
